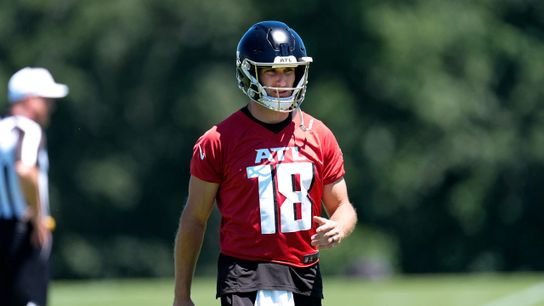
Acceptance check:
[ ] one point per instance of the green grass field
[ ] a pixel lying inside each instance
(457, 290)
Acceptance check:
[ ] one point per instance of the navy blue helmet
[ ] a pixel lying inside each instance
(272, 44)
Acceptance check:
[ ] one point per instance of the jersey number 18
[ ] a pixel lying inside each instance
(293, 181)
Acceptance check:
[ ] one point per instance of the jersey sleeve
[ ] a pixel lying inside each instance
(333, 158)
(206, 162)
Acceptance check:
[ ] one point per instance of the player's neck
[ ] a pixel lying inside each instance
(266, 115)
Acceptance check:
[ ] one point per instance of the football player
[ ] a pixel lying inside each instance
(270, 167)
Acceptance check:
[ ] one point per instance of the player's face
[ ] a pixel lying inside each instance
(277, 78)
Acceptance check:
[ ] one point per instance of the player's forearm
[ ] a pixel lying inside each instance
(28, 179)
(187, 249)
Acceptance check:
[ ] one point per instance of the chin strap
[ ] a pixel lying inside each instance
(301, 125)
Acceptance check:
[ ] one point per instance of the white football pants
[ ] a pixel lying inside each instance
(274, 298)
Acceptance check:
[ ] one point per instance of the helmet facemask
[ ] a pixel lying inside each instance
(248, 81)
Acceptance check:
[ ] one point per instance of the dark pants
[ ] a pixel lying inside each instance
(248, 299)
(24, 269)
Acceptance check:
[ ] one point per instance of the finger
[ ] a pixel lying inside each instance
(319, 241)
(322, 241)
(324, 232)
(325, 237)
(320, 220)
(321, 244)
(324, 225)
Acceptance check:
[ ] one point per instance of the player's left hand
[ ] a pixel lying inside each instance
(328, 234)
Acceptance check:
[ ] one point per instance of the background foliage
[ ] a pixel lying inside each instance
(436, 104)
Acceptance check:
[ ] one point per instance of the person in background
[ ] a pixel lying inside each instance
(25, 222)
(270, 167)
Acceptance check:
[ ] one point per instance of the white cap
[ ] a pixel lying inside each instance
(34, 82)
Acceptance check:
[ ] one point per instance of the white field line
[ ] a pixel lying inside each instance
(525, 297)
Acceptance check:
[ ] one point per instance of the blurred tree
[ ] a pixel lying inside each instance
(461, 80)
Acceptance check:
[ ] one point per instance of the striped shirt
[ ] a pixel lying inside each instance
(21, 139)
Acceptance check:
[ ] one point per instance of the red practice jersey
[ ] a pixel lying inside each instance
(271, 185)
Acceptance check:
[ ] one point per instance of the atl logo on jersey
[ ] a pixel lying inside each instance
(278, 154)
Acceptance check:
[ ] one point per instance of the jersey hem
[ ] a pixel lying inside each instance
(287, 263)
